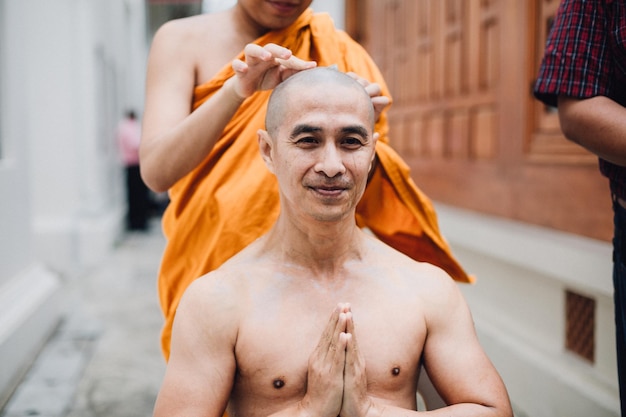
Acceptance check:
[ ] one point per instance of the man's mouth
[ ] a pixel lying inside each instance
(328, 190)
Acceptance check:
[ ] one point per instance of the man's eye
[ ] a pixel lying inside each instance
(308, 140)
(352, 142)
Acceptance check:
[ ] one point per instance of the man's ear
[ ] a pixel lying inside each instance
(375, 137)
(265, 147)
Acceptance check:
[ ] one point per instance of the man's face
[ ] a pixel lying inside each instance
(322, 151)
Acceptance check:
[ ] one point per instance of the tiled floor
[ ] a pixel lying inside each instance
(105, 358)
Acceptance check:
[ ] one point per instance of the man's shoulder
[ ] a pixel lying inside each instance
(236, 270)
(396, 259)
(414, 276)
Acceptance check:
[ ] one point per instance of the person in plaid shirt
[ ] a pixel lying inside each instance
(583, 73)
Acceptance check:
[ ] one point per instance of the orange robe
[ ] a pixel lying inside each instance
(231, 198)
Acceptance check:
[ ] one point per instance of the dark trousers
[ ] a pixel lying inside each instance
(619, 283)
(137, 197)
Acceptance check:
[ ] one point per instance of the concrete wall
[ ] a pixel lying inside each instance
(93, 52)
(518, 303)
(68, 70)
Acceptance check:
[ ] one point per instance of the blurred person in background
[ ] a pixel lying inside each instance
(137, 193)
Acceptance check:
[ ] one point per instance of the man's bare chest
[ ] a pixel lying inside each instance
(273, 349)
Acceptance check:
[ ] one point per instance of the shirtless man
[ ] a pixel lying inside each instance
(318, 318)
(208, 82)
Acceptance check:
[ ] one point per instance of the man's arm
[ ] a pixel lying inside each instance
(453, 358)
(597, 124)
(456, 363)
(201, 369)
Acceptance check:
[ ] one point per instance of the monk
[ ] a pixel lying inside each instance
(208, 81)
(317, 317)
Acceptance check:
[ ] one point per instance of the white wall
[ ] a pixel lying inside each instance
(85, 63)
(518, 303)
(29, 291)
(68, 70)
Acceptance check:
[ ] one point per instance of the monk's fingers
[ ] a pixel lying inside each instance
(284, 57)
(255, 54)
(373, 89)
(358, 78)
(239, 66)
(295, 63)
(380, 103)
(277, 51)
(272, 55)
(258, 70)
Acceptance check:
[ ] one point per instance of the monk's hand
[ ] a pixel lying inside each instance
(326, 367)
(373, 89)
(355, 400)
(264, 67)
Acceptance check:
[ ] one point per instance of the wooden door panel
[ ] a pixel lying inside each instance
(460, 73)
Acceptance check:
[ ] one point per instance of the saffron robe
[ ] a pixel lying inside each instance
(231, 198)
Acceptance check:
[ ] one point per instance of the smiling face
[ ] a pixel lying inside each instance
(320, 144)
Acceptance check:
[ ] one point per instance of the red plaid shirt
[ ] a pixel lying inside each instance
(585, 56)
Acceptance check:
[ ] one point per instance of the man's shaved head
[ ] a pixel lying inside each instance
(316, 81)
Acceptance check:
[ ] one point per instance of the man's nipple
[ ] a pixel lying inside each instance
(395, 371)
(278, 383)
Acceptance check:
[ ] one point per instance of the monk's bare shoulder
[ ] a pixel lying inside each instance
(207, 42)
(193, 28)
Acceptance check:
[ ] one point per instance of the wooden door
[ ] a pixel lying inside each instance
(463, 115)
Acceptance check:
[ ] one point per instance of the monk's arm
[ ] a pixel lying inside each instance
(597, 124)
(174, 140)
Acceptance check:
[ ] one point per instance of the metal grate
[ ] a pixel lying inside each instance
(580, 325)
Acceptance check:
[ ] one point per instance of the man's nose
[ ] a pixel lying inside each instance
(330, 161)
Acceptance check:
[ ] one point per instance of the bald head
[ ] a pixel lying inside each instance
(314, 83)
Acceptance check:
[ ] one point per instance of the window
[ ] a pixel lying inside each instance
(580, 325)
